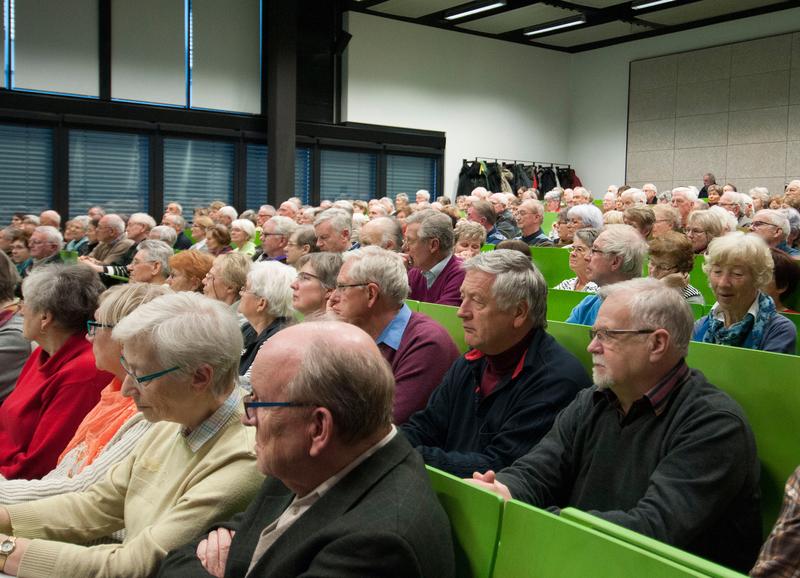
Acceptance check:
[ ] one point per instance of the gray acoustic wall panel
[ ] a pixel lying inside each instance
(732, 110)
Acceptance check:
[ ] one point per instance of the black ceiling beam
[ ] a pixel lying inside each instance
(355, 5)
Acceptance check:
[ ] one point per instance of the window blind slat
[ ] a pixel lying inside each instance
(302, 174)
(347, 175)
(408, 174)
(197, 172)
(108, 169)
(26, 170)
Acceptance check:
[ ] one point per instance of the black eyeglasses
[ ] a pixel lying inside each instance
(250, 406)
(91, 327)
(340, 287)
(605, 335)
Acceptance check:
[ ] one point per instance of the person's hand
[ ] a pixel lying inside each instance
(93, 266)
(213, 551)
(407, 260)
(488, 481)
(13, 561)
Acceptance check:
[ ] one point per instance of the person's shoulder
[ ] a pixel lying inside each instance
(700, 397)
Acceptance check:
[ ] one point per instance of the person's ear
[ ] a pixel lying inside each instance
(202, 377)
(520, 314)
(659, 343)
(320, 431)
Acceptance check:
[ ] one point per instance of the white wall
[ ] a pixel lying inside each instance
(599, 90)
(491, 98)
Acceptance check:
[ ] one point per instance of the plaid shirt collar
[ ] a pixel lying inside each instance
(657, 395)
(198, 437)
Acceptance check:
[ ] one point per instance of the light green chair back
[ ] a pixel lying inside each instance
(575, 338)
(257, 239)
(560, 303)
(553, 263)
(413, 305)
(475, 516)
(699, 281)
(705, 567)
(445, 315)
(537, 544)
(547, 222)
(68, 257)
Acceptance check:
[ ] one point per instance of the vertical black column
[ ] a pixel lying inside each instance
(281, 105)
(156, 204)
(61, 170)
(104, 45)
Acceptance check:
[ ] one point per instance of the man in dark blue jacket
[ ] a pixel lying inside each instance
(500, 398)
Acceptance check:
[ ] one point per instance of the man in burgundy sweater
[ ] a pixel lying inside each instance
(370, 292)
(436, 274)
(499, 399)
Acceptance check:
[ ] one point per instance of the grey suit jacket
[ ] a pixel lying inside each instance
(381, 519)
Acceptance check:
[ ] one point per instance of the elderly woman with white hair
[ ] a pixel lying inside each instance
(194, 467)
(266, 303)
(163, 233)
(584, 217)
(581, 246)
(552, 201)
(705, 226)
(111, 430)
(243, 231)
(739, 267)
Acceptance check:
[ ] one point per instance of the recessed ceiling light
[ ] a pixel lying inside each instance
(642, 4)
(556, 25)
(473, 8)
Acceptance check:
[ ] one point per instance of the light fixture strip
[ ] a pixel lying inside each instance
(471, 11)
(643, 5)
(569, 24)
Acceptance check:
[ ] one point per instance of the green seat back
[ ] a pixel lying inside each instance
(487, 247)
(188, 232)
(561, 302)
(705, 567)
(547, 222)
(257, 240)
(68, 257)
(698, 310)
(794, 318)
(699, 281)
(575, 338)
(475, 516)
(446, 316)
(538, 544)
(553, 263)
(413, 305)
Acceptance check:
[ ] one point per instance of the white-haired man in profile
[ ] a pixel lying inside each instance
(653, 447)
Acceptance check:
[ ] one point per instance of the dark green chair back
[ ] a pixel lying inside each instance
(553, 263)
(537, 544)
(445, 315)
(560, 303)
(705, 567)
(794, 318)
(475, 516)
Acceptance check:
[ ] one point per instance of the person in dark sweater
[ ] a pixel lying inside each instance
(500, 398)
(435, 275)
(370, 292)
(653, 446)
(530, 215)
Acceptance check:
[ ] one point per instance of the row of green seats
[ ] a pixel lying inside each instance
(513, 539)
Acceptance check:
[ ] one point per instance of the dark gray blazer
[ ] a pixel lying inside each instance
(381, 519)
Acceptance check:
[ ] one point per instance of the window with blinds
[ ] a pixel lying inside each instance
(197, 172)
(257, 173)
(347, 175)
(302, 174)
(110, 169)
(407, 174)
(26, 170)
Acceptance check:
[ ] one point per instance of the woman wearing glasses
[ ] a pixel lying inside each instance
(194, 467)
(112, 428)
(581, 244)
(59, 383)
(315, 282)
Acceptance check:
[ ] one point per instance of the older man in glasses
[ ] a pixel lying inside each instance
(345, 494)
(653, 446)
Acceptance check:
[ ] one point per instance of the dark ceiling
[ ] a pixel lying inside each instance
(577, 25)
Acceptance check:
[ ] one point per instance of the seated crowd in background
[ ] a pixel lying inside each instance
(112, 334)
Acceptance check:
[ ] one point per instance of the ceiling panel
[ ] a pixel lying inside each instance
(414, 8)
(597, 3)
(701, 10)
(591, 34)
(519, 18)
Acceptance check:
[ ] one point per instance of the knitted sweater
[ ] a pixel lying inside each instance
(163, 494)
(687, 477)
(52, 396)
(446, 289)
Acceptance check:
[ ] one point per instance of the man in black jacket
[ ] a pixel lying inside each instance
(653, 446)
(345, 495)
(499, 399)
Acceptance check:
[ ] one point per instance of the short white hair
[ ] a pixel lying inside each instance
(115, 222)
(187, 330)
(229, 212)
(272, 280)
(638, 195)
(165, 233)
(157, 252)
(283, 225)
(500, 198)
(425, 194)
(142, 219)
(385, 268)
(729, 222)
(689, 193)
(52, 234)
(581, 192)
(628, 243)
(589, 214)
(339, 220)
(247, 226)
(778, 219)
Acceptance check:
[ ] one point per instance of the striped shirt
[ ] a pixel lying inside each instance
(206, 430)
(570, 284)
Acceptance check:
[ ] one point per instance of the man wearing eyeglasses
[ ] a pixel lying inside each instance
(773, 226)
(617, 254)
(652, 446)
(45, 247)
(345, 495)
(530, 215)
(274, 238)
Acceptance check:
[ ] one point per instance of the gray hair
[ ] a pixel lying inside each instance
(53, 215)
(390, 230)
(626, 242)
(536, 207)
(52, 234)
(777, 218)
(233, 269)
(229, 212)
(343, 205)
(142, 219)
(247, 226)
(581, 192)
(178, 220)
(553, 195)
(434, 225)
(271, 280)
(516, 279)
(589, 214)
(283, 225)
(725, 217)
(470, 230)
(689, 193)
(639, 196)
(655, 305)
(118, 301)
(357, 387)
(157, 252)
(304, 235)
(326, 266)
(425, 194)
(166, 234)
(587, 235)
(187, 330)
(664, 196)
(69, 292)
(115, 222)
(338, 218)
(794, 218)
(82, 220)
(748, 250)
(385, 268)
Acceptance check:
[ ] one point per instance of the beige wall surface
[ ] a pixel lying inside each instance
(732, 110)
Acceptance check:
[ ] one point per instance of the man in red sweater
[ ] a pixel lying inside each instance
(370, 294)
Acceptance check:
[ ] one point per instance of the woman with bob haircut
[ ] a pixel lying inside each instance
(739, 267)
